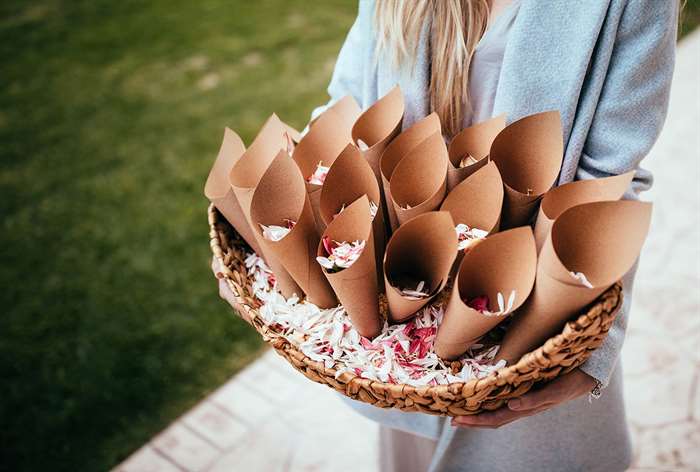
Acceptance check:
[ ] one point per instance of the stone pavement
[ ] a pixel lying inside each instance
(270, 418)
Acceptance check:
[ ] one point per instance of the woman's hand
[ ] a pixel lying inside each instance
(565, 388)
(224, 290)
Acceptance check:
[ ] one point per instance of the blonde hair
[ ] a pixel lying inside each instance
(456, 26)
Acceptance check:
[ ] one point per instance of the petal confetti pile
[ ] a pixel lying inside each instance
(319, 175)
(466, 161)
(481, 304)
(340, 255)
(401, 354)
(276, 233)
(468, 237)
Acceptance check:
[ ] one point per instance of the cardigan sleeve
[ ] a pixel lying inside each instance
(628, 119)
(349, 69)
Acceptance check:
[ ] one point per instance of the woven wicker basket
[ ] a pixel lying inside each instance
(560, 354)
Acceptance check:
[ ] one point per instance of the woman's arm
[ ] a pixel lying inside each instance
(628, 119)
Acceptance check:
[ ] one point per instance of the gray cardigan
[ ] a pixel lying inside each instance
(606, 65)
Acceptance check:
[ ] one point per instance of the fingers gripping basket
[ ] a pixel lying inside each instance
(559, 355)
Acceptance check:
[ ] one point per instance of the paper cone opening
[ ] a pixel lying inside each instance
(503, 262)
(600, 239)
(529, 152)
(478, 200)
(249, 169)
(356, 286)
(476, 140)
(380, 120)
(419, 180)
(423, 249)
(348, 179)
(561, 198)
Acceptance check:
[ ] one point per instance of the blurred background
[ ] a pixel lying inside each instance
(111, 115)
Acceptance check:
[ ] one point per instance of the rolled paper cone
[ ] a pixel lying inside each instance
(528, 153)
(325, 140)
(561, 198)
(502, 263)
(474, 141)
(349, 178)
(476, 202)
(244, 178)
(218, 189)
(420, 179)
(281, 195)
(602, 240)
(347, 109)
(356, 286)
(378, 125)
(423, 249)
(397, 150)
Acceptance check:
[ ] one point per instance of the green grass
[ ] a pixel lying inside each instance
(111, 114)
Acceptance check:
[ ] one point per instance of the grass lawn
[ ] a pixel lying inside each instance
(111, 114)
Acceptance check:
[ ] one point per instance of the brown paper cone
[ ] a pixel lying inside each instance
(422, 249)
(420, 179)
(324, 141)
(347, 109)
(378, 125)
(474, 141)
(478, 200)
(600, 239)
(281, 195)
(501, 263)
(218, 189)
(528, 154)
(348, 179)
(244, 178)
(561, 198)
(397, 150)
(356, 286)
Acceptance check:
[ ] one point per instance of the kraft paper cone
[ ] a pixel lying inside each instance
(281, 195)
(561, 198)
(347, 109)
(378, 125)
(474, 141)
(420, 179)
(478, 200)
(218, 189)
(528, 153)
(502, 263)
(600, 239)
(422, 249)
(348, 179)
(244, 178)
(397, 150)
(325, 140)
(356, 286)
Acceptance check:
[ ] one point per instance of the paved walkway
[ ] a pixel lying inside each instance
(271, 418)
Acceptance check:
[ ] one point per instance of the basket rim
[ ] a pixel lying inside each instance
(613, 295)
